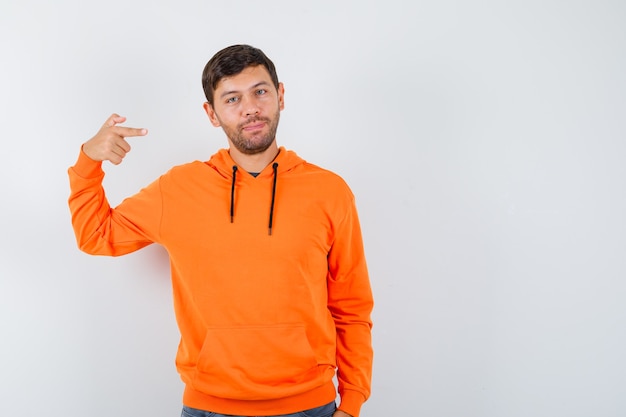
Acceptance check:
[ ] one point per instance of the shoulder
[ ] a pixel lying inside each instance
(184, 173)
(186, 168)
(326, 178)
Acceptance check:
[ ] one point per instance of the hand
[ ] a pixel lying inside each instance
(109, 144)
(340, 413)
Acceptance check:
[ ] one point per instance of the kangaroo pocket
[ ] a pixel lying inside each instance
(257, 362)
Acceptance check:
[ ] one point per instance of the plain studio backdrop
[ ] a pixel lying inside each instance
(484, 142)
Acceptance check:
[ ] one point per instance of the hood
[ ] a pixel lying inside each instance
(284, 162)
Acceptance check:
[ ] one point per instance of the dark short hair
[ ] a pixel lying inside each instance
(231, 61)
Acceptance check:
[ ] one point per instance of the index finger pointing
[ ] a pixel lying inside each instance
(127, 132)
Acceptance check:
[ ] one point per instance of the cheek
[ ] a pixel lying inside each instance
(223, 118)
(228, 119)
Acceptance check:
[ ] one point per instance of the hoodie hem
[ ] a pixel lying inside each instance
(296, 403)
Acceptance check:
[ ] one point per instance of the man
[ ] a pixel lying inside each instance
(271, 290)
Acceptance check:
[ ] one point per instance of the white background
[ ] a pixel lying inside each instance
(484, 142)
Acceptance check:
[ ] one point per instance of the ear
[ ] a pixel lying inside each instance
(211, 113)
(281, 96)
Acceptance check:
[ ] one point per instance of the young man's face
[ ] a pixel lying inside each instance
(247, 106)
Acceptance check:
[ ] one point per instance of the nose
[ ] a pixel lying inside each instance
(252, 111)
(250, 107)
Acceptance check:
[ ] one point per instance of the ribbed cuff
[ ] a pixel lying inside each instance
(86, 167)
(351, 402)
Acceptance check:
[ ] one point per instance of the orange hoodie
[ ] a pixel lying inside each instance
(270, 284)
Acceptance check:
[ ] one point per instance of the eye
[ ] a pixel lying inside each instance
(232, 100)
(261, 91)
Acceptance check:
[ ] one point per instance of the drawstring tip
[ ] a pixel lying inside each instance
(269, 231)
(232, 219)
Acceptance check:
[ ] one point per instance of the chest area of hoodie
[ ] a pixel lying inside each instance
(240, 259)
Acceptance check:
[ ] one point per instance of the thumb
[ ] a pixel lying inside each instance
(114, 119)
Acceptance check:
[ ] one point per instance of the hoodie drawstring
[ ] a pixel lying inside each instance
(275, 168)
(232, 196)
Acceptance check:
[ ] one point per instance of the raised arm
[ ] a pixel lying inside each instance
(100, 229)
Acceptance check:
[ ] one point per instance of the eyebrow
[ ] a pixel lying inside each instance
(259, 84)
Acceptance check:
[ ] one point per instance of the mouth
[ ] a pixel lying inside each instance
(253, 125)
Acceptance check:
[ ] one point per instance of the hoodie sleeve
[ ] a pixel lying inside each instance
(102, 230)
(350, 302)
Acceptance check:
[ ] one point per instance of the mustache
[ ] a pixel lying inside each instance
(254, 120)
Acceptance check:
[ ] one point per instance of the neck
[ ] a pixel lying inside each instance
(256, 162)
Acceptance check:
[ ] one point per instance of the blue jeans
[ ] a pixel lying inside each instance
(324, 411)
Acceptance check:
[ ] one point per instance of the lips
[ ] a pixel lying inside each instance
(254, 126)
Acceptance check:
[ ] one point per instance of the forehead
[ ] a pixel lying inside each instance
(248, 78)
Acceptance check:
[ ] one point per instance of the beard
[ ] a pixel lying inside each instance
(258, 142)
